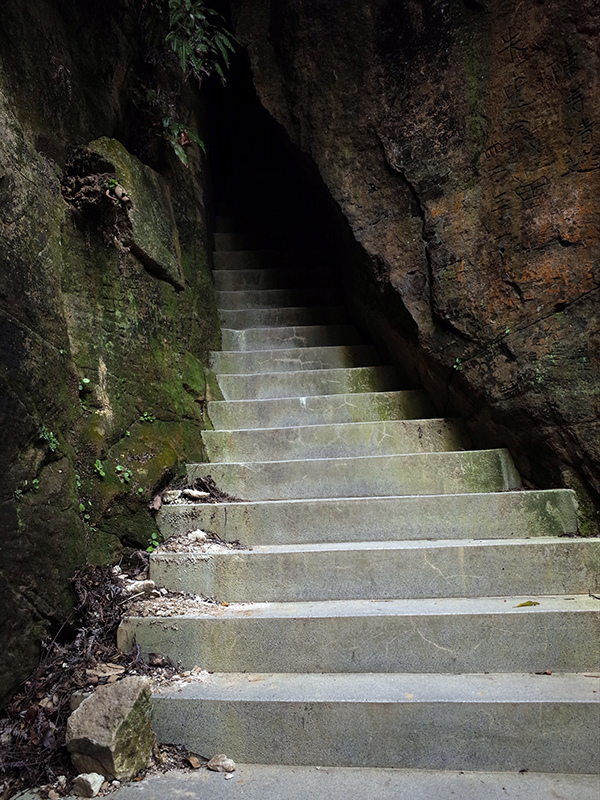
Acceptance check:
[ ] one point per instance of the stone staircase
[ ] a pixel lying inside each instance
(379, 616)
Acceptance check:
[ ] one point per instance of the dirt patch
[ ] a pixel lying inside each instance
(90, 187)
(198, 542)
(201, 490)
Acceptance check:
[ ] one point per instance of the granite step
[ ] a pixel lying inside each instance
(270, 258)
(282, 782)
(384, 570)
(319, 410)
(233, 280)
(486, 516)
(439, 635)
(258, 362)
(343, 440)
(511, 721)
(243, 319)
(293, 336)
(365, 476)
(247, 299)
(254, 240)
(306, 383)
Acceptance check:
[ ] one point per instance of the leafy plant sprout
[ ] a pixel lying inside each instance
(123, 473)
(195, 34)
(154, 542)
(49, 438)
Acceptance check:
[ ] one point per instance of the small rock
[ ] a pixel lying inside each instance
(111, 731)
(221, 763)
(195, 494)
(197, 536)
(115, 784)
(62, 781)
(77, 699)
(229, 776)
(6, 738)
(195, 762)
(171, 496)
(139, 587)
(155, 504)
(88, 784)
(104, 670)
(156, 660)
(116, 570)
(53, 795)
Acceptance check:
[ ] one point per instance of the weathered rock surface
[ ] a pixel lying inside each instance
(221, 763)
(111, 731)
(103, 367)
(154, 237)
(461, 144)
(88, 784)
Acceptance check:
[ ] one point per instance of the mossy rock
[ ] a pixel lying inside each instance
(154, 237)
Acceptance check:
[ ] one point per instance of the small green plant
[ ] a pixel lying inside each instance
(179, 136)
(154, 542)
(140, 490)
(98, 466)
(35, 484)
(197, 36)
(146, 417)
(18, 494)
(458, 365)
(124, 473)
(49, 438)
(78, 480)
(111, 183)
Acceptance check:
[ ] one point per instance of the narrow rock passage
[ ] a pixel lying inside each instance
(403, 601)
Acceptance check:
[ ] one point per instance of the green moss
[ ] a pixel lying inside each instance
(586, 517)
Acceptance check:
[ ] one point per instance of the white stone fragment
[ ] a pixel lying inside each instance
(88, 784)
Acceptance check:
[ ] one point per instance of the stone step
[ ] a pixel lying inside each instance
(277, 317)
(503, 515)
(233, 280)
(345, 440)
(365, 476)
(319, 410)
(510, 722)
(254, 240)
(442, 635)
(282, 782)
(244, 362)
(229, 223)
(294, 336)
(364, 570)
(277, 298)
(308, 383)
(273, 258)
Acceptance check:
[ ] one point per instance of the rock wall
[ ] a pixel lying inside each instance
(460, 141)
(107, 310)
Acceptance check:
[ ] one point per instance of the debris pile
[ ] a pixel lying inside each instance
(201, 490)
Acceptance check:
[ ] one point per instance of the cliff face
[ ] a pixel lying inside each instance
(107, 309)
(461, 143)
